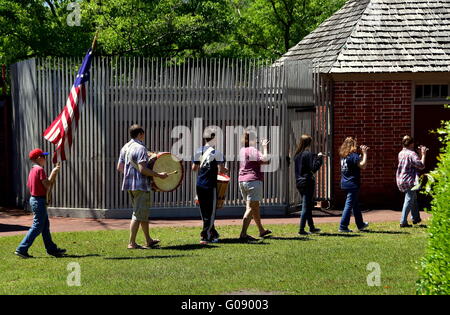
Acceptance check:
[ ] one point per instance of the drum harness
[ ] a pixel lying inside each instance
(204, 155)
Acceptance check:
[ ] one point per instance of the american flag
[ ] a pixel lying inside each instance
(61, 130)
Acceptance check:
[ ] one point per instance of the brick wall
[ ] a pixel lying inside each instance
(378, 113)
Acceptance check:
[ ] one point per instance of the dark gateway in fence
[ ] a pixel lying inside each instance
(283, 101)
(5, 141)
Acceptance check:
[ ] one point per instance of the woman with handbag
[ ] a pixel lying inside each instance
(409, 165)
(306, 165)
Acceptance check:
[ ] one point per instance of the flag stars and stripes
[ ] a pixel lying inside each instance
(61, 130)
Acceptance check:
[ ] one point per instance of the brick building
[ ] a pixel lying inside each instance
(389, 63)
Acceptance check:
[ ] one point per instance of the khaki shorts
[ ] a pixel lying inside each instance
(141, 202)
(252, 191)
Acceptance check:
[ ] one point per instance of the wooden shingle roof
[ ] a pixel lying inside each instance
(368, 36)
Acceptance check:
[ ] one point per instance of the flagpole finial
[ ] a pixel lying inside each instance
(94, 42)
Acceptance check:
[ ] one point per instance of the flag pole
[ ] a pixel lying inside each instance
(53, 181)
(94, 41)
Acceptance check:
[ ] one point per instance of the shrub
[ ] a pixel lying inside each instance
(435, 271)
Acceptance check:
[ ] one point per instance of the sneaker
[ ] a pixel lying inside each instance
(214, 234)
(314, 230)
(303, 232)
(59, 252)
(215, 240)
(346, 230)
(405, 225)
(417, 221)
(22, 255)
(364, 227)
(203, 242)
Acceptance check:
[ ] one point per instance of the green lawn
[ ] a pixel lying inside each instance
(328, 263)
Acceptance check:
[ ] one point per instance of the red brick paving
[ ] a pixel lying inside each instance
(16, 223)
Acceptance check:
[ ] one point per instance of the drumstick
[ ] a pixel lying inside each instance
(172, 173)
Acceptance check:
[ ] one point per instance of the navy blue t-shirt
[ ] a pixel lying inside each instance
(350, 171)
(207, 173)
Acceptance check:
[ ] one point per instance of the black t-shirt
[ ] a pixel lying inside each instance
(306, 164)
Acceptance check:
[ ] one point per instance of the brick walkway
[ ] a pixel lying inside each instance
(15, 222)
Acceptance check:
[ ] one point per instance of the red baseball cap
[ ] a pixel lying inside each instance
(34, 154)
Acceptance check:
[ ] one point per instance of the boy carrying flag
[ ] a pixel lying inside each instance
(38, 184)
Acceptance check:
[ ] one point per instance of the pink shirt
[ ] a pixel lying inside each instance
(250, 165)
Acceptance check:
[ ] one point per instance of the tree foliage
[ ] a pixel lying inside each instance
(435, 271)
(269, 28)
(159, 28)
(30, 28)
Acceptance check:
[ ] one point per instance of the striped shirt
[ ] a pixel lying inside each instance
(133, 179)
(409, 165)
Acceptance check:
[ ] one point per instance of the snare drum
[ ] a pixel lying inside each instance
(170, 164)
(222, 186)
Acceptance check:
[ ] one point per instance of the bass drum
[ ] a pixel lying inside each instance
(170, 164)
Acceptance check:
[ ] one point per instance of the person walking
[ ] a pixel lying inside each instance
(351, 165)
(251, 182)
(133, 161)
(409, 164)
(208, 162)
(306, 165)
(38, 184)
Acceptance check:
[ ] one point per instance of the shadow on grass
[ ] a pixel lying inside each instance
(338, 234)
(13, 228)
(144, 257)
(70, 256)
(295, 238)
(384, 232)
(238, 241)
(81, 256)
(188, 247)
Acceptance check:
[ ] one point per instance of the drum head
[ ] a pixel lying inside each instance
(166, 162)
(223, 178)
